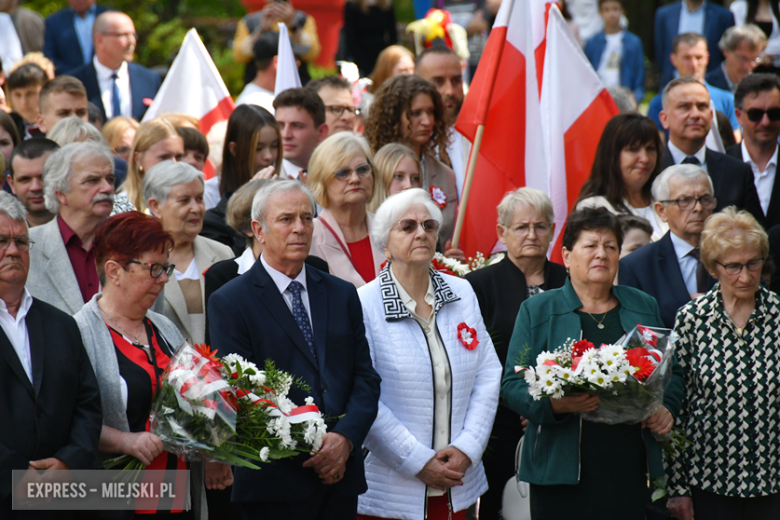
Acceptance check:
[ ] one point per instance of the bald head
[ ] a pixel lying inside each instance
(114, 35)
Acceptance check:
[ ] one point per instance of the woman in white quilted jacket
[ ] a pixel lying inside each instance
(440, 374)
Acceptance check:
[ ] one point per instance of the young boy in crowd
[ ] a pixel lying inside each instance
(196, 148)
(24, 86)
(617, 54)
(636, 233)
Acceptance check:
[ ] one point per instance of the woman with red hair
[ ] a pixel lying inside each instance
(129, 345)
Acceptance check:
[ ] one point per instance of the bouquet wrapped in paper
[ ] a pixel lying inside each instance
(228, 410)
(630, 376)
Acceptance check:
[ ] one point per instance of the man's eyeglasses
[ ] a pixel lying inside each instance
(156, 270)
(364, 170)
(22, 243)
(734, 269)
(337, 110)
(757, 114)
(126, 36)
(686, 203)
(409, 225)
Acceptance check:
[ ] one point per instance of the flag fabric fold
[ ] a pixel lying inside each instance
(286, 70)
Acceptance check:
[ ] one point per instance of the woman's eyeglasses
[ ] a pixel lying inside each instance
(734, 269)
(409, 225)
(364, 170)
(156, 270)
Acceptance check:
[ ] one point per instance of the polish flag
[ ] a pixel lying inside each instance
(287, 69)
(543, 108)
(193, 86)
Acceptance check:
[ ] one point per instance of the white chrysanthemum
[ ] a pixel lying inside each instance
(535, 391)
(557, 394)
(614, 352)
(600, 379)
(549, 385)
(565, 375)
(618, 377)
(257, 379)
(545, 356)
(264, 453)
(284, 404)
(232, 359)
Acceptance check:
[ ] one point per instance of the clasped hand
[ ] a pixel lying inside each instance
(445, 469)
(330, 461)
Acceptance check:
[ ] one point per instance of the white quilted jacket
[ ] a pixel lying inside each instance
(401, 438)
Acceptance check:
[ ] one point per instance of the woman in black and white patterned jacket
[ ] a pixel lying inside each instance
(728, 347)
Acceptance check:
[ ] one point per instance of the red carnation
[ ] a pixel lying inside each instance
(580, 347)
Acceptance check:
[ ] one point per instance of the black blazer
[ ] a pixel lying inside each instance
(144, 83)
(732, 180)
(216, 228)
(655, 270)
(249, 317)
(58, 414)
(772, 217)
(61, 44)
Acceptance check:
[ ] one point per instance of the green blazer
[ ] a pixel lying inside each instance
(551, 450)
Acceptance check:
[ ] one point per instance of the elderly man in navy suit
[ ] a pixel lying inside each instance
(310, 324)
(671, 269)
(68, 35)
(115, 84)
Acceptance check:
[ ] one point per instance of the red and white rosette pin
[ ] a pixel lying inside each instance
(438, 196)
(467, 336)
(648, 336)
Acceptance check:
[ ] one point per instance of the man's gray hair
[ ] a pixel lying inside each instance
(12, 208)
(263, 195)
(395, 207)
(162, 177)
(74, 130)
(676, 82)
(683, 172)
(738, 34)
(58, 169)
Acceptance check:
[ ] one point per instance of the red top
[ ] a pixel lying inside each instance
(363, 256)
(83, 262)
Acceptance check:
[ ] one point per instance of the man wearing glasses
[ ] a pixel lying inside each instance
(671, 270)
(114, 83)
(336, 93)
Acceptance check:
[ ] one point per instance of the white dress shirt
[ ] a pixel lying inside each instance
(679, 156)
(106, 85)
(283, 281)
(688, 264)
(292, 171)
(691, 21)
(764, 180)
(16, 331)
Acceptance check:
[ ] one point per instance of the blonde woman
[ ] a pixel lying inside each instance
(119, 133)
(397, 169)
(155, 141)
(341, 177)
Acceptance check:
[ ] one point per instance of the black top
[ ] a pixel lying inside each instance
(368, 33)
(215, 227)
(500, 289)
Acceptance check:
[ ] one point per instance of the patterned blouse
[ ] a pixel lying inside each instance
(731, 411)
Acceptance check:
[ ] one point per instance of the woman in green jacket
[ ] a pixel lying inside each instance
(575, 465)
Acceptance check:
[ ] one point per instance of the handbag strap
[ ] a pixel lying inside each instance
(341, 244)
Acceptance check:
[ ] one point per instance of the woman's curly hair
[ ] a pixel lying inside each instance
(395, 98)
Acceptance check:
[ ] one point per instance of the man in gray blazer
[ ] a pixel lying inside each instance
(78, 186)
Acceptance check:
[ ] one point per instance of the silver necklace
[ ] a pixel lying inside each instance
(136, 342)
(599, 324)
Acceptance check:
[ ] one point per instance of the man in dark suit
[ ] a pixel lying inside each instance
(671, 270)
(114, 83)
(687, 116)
(50, 416)
(741, 45)
(68, 35)
(758, 102)
(699, 16)
(311, 325)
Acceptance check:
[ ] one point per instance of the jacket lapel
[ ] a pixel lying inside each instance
(175, 298)
(274, 303)
(204, 258)
(773, 210)
(135, 95)
(35, 334)
(8, 352)
(667, 160)
(59, 269)
(318, 303)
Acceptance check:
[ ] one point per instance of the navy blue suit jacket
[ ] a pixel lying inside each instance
(61, 44)
(248, 316)
(717, 78)
(144, 83)
(654, 269)
(667, 23)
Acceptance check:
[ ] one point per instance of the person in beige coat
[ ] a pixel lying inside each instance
(341, 177)
(174, 193)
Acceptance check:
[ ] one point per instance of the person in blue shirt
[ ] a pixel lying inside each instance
(690, 57)
(617, 54)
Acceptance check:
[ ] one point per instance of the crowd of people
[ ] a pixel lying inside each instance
(313, 245)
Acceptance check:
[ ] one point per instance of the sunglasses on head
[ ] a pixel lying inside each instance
(756, 114)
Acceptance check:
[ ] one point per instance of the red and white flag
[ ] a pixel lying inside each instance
(193, 86)
(543, 107)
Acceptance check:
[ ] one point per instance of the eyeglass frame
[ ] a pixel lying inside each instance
(338, 110)
(529, 225)
(420, 224)
(758, 263)
(15, 240)
(166, 268)
(121, 35)
(695, 200)
(775, 111)
(347, 172)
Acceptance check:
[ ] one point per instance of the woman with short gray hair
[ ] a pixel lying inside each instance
(174, 193)
(440, 373)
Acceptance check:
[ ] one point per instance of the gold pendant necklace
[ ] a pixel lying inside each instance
(599, 324)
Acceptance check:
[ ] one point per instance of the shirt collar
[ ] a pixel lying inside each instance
(281, 280)
(731, 84)
(246, 261)
(681, 247)
(24, 306)
(104, 73)
(409, 302)
(696, 11)
(89, 12)
(678, 155)
(748, 159)
(67, 233)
